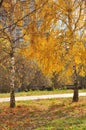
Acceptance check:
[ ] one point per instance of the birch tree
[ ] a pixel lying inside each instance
(65, 26)
(15, 17)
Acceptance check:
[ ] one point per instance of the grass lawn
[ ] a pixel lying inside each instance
(51, 114)
(38, 92)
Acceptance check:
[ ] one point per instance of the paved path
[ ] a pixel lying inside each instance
(23, 98)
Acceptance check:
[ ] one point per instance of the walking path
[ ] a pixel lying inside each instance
(23, 98)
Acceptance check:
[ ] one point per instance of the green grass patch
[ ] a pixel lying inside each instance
(50, 114)
(38, 92)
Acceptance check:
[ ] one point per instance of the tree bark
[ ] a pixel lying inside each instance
(12, 84)
(1, 1)
(75, 95)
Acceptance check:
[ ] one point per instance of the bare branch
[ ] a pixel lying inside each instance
(30, 13)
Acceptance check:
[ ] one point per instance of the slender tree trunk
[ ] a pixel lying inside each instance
(1, 1)
(75, 95)
(12, 85)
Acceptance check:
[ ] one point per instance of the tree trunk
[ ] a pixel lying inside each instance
(75, 95)
(12, 85)
(1, 1)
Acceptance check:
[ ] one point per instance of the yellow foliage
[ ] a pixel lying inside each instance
(48, 49)
(77, 60)
(6, 4)
(82, 72)
(26, 38)
(20, 23)
(69, 72)
(47, 54)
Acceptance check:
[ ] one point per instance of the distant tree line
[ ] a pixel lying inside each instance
(30, 77)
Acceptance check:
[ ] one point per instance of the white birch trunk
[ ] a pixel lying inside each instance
(12, 83)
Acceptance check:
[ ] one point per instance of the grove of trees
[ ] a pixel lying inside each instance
(42, 41)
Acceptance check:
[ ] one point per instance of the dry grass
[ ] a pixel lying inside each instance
(54, 114)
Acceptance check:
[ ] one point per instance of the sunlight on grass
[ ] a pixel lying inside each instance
(38, 92)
